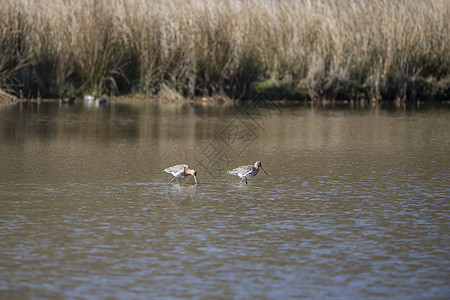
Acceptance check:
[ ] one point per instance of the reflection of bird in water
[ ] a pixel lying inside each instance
(182, 195)
(181, 171)
(245, 172)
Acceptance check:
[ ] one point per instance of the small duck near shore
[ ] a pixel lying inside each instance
(68, 100)
(89, 98)
(99, 101)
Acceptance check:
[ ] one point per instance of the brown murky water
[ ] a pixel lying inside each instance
(356, 204)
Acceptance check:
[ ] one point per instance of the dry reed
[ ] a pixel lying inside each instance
(330, 48)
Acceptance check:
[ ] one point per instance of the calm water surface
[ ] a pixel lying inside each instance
(356, 204)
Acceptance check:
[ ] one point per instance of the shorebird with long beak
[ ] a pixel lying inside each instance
(245, 172)
(181, 171)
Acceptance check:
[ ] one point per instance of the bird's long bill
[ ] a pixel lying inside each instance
(195, 178)
(264, 171)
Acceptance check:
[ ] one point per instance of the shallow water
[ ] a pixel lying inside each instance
(356, 204)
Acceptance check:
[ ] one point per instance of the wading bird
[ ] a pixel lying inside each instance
(180, 171)
(245, 172)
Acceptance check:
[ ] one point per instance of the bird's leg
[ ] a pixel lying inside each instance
(173, 179)
(246, 181)
(242, 180)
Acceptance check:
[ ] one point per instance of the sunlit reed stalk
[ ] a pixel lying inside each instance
(331, 49)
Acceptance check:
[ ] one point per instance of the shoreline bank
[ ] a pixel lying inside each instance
(350, 50)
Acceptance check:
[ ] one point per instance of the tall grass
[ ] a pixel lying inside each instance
(329, 48)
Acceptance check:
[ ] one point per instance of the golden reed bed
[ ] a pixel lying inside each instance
(294, 49)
